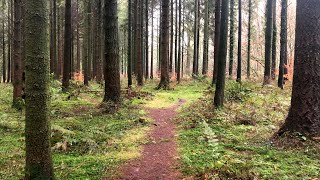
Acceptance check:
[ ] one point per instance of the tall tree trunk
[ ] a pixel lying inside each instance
(283, 42)
(17, 60)
(171, 39)
(304, 114)
(138, 41)
(176, 40)
(249, 40)
(147, 41)
(9, 40)
(188, 64)
(151, 68)
(112, 73)
(164, 81)
(220, 85)
(217, 25)
(98, 48)
(78, 66)
(232, 36)
(67, 46)
(274, 40)
(37, 127)
(3, 46)
(268, 43)
(129, 57)
(179, 45)
(239, 68)
(53, 43)
(195, 47)
(206, 40)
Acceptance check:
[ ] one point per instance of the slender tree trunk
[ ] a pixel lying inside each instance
(9, 40)
(239, 68)
(304, 114)
(112, 73)
(138, 41)
(232, 36)
(151, 68)
(67, 46)
(283, 42)
(3, 46)
(179, 45)
(220, 85)
(176, 40)
(17, 59)
(206, 40)
(147, 41)
(171, 39)
(249, 40)
(216, 40)
(268, 43)
(98, 49)
(165, 80)
(78, 66)
(37, 128)
(274, 40)
(86, 42)
(129, 57)
(53, 43)
(188, 55)
(196, 48)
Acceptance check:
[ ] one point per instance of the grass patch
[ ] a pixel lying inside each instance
(234, 142)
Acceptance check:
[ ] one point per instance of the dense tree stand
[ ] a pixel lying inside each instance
(304, 114)
(164, 80)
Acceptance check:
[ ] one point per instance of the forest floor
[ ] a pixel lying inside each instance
(234, 142)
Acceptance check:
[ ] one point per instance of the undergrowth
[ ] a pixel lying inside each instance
(235, 142)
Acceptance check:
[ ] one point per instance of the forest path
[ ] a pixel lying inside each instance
(159, 157)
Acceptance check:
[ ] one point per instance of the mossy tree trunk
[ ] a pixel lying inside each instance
(164, 57)
(112, 69)
(37, 128)
(220, 85)
(304, 114)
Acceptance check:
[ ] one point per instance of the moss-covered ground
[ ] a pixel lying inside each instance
(233, 142)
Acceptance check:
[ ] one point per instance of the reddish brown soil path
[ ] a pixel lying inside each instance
(159, 158)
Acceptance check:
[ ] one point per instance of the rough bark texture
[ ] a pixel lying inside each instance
(219, 94)
(129, 57)
(138, 42)
(164, 81)
(195, 68)
(17, 59)
(268, 43)
(274, 40)
(147, 40)
(86, 43)
(37, 128)
(239, 64)
(216, 40)
(78, 66)
(206, 40)
(304, 114)
(151, 68)
(67, 46)
(249, 40)
(112, 71)
(3, 48)
(9, 41)
(179, 44)
(176, 40)
(98, 58)
(232, 36)
(283, 42)
(171, 39)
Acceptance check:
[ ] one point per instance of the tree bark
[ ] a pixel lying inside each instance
(268, 43)
(171, 39)
(3, 47)
(112, 73)
(17, 59)
(220, 85)
(216, 40)
(239, 68)
(138, 42)
(67, 46)
(164, 81)
(206, 40)
(283, 42)
(37, 127)
(274, 40)
(147, 41)
(249, 40)
(304, 114)
(129, 57)
(152, 34)
(195, 70)
(232, 36)
(179, 45)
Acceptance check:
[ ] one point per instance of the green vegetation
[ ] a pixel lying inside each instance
(234, 142)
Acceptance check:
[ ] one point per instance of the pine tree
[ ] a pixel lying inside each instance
(216, 40)
(129, 56)
(239, 68)
(206, 40)
(283, 42)
(268, 43)
(67, 46)
(220, 85)
(232, 36)
(37, 127)
(274, 40)
(304, 114)
(249, 40)
(112, 69)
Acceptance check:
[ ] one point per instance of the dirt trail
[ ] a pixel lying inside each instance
(158, 160)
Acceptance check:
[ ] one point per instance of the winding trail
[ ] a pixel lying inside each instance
(159, 157)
